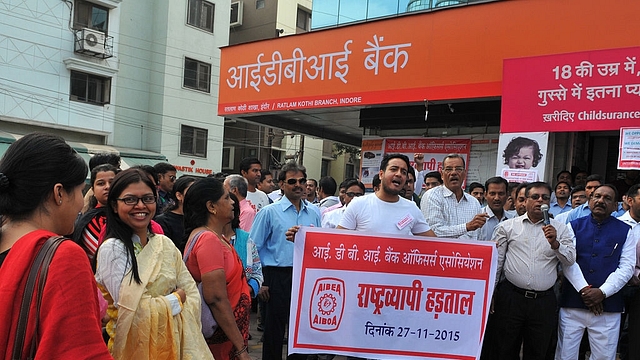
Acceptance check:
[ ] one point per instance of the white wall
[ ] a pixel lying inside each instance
(288, 13)
(152, 95)
(35, 39)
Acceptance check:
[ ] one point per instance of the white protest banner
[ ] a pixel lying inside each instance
(374, 296)
(629, 154)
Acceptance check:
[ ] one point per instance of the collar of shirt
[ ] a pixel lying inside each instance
(555, 203)
(488, 210)
(525, 216)
(285, 204)
(447, 193)
(626, 217)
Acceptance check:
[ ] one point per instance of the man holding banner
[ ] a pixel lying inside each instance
(276, 253)
(385, 211)
(529, 250)
(451, 212)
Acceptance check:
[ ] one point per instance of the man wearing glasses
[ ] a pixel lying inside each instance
(349, 189)
(166, 177)
(605, 261)
(276, 253)
(450, 211)
(529, 250)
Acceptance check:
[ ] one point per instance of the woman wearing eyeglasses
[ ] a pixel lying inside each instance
(154, 304)
(213, 261)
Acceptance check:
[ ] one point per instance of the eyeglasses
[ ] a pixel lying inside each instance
(293, 181)
(457, 169)
(172, 178)
(354, 194)
(133, 200)
(544, 197)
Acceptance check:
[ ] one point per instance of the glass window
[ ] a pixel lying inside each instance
(259, 4)
(200, 14)
(193, 141)
(88, 15)
(303, 20)
(90, 88)
(197, 75)
(350, 11)
(325, 13)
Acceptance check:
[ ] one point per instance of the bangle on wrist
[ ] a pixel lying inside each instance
(243, 350)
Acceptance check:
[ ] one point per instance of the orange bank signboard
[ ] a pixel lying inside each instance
(375, 63)
(584, 91)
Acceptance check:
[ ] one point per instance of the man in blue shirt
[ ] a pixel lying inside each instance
(561, 203)
(276, 253)
(593, 182)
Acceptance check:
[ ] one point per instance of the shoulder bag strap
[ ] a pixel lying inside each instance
(40, 268)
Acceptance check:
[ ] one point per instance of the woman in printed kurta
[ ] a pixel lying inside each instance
(154, 304)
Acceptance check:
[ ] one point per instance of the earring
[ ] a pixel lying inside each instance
(214, 212)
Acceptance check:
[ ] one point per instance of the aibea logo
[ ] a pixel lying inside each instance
(327, 304)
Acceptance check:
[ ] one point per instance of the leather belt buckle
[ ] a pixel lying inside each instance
(530, 294)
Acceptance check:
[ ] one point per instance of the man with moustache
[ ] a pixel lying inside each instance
(593, 182)
(496, 197)
(385, 211)
(605, 259)
(450, 212)
(269, 232)
(528, 254)
(520, 200)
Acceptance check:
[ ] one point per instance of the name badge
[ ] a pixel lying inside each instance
(404, 222)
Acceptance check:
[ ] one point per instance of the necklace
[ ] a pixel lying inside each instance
(218, 235)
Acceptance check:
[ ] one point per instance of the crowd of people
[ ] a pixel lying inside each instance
(168, 267)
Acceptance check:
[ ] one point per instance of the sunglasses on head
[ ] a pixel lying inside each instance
(293, 181)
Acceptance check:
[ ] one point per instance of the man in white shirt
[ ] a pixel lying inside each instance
(450, 212)
(385, 211)
(529, 252)
(352, 189)
(632, 291)
(250, 169)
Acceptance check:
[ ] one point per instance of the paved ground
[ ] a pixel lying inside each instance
(255, 345)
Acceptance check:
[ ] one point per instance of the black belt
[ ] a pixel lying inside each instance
(529, 294)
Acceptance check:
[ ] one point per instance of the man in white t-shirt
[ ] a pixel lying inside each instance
(352, 189)
(250, 168)
(385, 211)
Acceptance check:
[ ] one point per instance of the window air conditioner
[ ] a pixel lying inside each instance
(236, 13)
(93, 40)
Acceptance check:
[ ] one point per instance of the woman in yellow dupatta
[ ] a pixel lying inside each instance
(154, 304)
